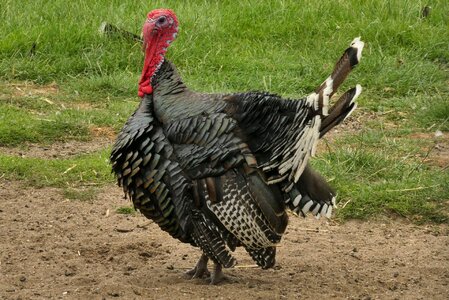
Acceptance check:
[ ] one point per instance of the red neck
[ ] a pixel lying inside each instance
(154, 56)
(159, 30)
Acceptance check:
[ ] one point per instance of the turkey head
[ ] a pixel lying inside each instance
(159, 30)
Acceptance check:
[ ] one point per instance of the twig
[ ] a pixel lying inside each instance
(69, 169)
(313, 230)
(344, 205)
(378, 171)
(246, 266)
(414, 189)
(387, 112)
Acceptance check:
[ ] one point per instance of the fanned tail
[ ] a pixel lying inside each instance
(340, 110)
(311, 194)
(343, 67)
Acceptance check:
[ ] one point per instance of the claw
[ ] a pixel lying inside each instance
(200, 270)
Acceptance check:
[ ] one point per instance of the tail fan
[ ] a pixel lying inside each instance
(312, 194)
(345, 64)
(340, 110)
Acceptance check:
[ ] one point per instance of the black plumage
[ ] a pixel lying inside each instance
(219, 171)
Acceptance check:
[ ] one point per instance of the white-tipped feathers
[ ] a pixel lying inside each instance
(358, 91)
(358, 44)
(327, 92)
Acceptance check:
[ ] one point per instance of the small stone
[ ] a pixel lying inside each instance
(131, 268)
(146, 254)
(170, 267)
(124, 229)
(137, 292)
(395, 274)
(113, 294)
(22, 278)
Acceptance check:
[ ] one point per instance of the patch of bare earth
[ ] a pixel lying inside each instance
(54, 248)
(438, 154)
(59, 149)
(24, 89)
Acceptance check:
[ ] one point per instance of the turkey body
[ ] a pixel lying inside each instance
(183, 160)
(220, 171)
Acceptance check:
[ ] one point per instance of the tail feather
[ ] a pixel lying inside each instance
(340, 110)
(343, 67)
(312, 194)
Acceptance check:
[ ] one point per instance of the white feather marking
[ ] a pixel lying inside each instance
(307, 142)
(318, 216)
(358, 44)
(329, 212)
(297, 199)
(316, 138)
(334, 201)
(324, 209)
(316, 209)
(326, 93)
(307, 206)
(312, 100)
(358, 90)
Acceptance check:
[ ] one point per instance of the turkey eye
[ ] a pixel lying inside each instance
(161, 20)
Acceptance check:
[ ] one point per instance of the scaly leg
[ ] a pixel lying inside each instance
(200, 269)
(217, 275)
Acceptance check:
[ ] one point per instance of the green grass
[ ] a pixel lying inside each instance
(286, 47)
(58, 117)
(84, 170)
(83, 194)
(125, 210)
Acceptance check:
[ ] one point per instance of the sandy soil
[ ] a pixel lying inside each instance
(54, 248)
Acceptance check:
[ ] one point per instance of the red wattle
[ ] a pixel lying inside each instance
(145, 90)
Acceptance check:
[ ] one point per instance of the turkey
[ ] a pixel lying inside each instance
(220, 171)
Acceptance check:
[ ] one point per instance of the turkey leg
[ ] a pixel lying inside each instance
(217, 275)
(200, 269)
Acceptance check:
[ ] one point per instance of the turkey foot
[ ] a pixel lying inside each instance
(217, 275)
(200, 269)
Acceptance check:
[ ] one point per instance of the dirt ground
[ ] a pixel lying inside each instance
(54, 248)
